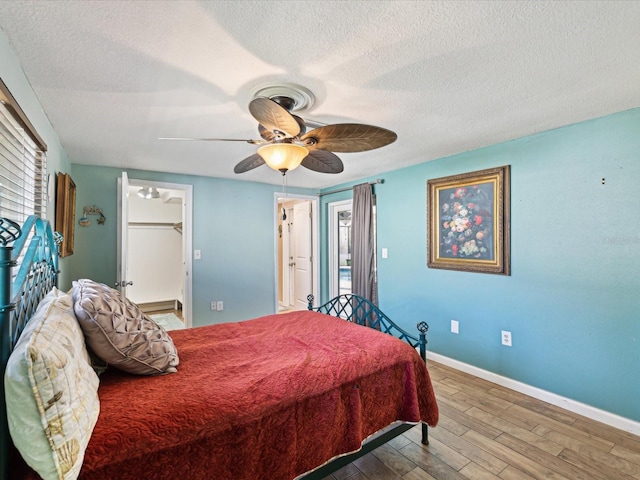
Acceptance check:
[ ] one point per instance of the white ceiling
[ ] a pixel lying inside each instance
(447, 77)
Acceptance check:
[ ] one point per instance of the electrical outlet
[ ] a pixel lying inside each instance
(506, 338)
(197, 255)
(219, 305)
(455, 326)
(213, 306)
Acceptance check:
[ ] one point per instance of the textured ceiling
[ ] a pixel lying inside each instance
(447, 77)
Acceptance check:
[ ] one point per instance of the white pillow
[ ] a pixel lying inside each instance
(52, 391)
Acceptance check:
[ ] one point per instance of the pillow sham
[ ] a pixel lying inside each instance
(118, 332)
(52, 391)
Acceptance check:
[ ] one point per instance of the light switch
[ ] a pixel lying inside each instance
(196, 254)
(385, 253)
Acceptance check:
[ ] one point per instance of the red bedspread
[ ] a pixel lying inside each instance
(269, 398)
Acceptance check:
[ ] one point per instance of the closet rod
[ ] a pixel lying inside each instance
(375, 182)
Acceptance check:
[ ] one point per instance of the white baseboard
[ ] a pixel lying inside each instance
(593, 413)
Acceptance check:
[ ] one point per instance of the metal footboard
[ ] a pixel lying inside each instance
(357, 309)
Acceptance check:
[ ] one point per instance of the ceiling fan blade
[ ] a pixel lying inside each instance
(323, 162)
(273, 117)
(253, 142)
(348, 137)
(266, 134)
(249, 163)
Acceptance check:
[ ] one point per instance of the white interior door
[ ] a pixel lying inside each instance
(303, 271)
(123, 230)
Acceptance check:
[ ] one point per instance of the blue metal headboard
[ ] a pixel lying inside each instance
(19, 299)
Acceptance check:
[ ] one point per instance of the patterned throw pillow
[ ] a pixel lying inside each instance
(118, 332)
(52, 391)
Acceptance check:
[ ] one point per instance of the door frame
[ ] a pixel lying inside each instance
(315, 241)
(187, 244)
(283, 263)
(332, 243)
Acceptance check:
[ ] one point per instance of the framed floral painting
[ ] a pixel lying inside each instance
(468, 222)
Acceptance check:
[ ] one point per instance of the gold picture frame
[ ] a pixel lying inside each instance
(468, 222)
(65, 212)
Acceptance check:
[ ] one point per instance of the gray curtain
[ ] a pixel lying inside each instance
(363, 274)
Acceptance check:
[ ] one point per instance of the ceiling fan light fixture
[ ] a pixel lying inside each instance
(283, 157)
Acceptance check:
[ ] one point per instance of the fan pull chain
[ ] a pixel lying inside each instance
(284, 192)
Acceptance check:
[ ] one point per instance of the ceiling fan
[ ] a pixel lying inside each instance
(285, 143)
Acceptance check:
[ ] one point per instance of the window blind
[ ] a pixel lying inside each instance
(23, 189)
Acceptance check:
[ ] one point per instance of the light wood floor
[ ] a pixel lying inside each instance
(490, 432)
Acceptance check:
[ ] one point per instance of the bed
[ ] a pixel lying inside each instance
(284, 396)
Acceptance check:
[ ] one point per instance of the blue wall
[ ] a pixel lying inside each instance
(233, 228)
(572, 299)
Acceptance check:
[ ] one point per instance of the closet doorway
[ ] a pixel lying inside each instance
(155, 245)
(297, 273)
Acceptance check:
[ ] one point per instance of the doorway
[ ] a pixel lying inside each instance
(297, 273)
(339, 243)
(155, 236)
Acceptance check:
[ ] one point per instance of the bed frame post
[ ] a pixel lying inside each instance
(6, 264)
(5, 302)
(422, 328)
(310, 301)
